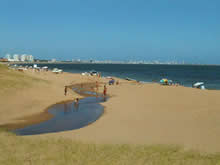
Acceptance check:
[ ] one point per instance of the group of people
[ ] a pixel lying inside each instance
(97, 87)
(104, 93)
(112, 82)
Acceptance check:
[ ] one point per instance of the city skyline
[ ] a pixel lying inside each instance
(19, 57)
(30, 58)
(160, 30)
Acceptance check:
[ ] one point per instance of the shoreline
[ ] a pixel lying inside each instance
(208, 85)
(45, 115)
(32, 119)
(136, 113)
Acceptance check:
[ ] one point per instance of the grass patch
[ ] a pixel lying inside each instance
(19, 150)
(12, 79)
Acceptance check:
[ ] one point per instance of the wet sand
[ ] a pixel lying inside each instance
(135, 113)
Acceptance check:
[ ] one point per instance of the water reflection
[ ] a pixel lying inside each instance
(76, 106)
(68, 116)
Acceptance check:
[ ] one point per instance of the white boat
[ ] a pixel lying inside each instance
(85, 74)
(90, 73)
(56, 70)
(93, 73)
(199, 85)
(45, 68)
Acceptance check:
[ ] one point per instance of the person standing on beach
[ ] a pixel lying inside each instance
(105, 91)
(65, 90)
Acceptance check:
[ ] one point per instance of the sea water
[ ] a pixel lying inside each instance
(183, 74)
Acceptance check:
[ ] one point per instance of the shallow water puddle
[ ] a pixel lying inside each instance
(68, 116)
(81, 91)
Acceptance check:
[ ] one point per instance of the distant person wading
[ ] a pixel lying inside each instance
(76, 103)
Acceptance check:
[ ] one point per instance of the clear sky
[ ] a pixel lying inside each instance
(162, 30)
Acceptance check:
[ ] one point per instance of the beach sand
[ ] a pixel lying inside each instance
(134, 114)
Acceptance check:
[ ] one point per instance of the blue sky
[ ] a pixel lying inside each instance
(162, 30)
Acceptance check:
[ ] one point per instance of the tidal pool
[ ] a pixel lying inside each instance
(68, 116)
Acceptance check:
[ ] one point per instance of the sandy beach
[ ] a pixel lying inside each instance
(134, 114)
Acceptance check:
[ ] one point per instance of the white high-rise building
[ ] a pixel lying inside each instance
(30, 58)
(23, 57)
(8, 57)
(16, 57)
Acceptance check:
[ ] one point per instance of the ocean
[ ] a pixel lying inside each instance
(185, 75)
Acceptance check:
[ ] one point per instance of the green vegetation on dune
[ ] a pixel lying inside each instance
(19, 150)
(12, 79)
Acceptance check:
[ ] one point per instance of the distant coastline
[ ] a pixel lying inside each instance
(122, 63)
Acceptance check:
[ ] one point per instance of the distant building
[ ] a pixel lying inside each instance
(23, 57)
(16, 57)
(8, 57)
(30, 58)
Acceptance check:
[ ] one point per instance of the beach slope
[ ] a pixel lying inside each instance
(134, 114)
